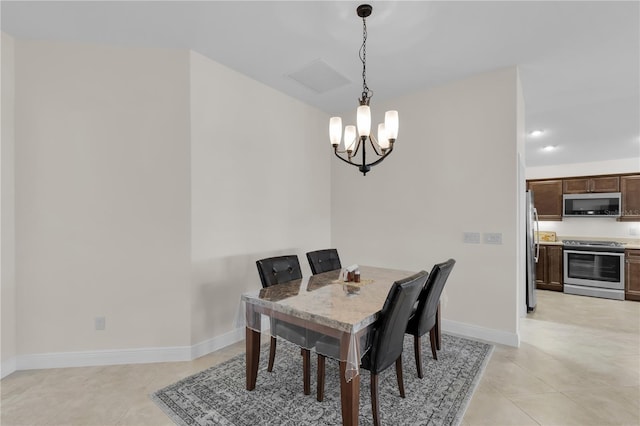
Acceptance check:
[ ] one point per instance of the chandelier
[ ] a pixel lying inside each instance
(387, 131)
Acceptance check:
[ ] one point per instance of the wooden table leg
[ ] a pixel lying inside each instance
(349, 397)
(438, 336)
(252, 344)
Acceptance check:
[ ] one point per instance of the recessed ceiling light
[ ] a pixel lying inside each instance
(549, 148)
(536, 133)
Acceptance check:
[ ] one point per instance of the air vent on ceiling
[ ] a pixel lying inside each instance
(319, 77)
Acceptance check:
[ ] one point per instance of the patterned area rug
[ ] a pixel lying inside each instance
(217, 396)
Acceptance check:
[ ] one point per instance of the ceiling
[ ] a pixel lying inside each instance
(579, 61)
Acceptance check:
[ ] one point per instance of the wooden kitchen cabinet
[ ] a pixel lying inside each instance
(630, 193)
(632, 275)
(547, 198)
(584, 185)
(549, 268)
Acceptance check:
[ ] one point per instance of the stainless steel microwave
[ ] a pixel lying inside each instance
(606, 204)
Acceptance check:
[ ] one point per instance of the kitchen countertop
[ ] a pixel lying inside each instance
(629, 243)
(551, 243)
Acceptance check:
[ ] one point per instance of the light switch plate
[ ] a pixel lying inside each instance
(471, 237)
(492, 237)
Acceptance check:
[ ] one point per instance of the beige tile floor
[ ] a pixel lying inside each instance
(578, 364)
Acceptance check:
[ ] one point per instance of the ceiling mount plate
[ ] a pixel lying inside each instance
(364, 10)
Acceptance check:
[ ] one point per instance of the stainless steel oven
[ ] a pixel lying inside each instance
(594, 268)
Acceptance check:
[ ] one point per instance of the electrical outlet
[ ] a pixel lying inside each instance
(492, 237)
(100, 323)
(471, 237)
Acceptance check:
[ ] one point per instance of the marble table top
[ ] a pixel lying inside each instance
(325, 299)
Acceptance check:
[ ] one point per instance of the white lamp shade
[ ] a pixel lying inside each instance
(335, 130)
(391, 124)
(364, 120)
(349, 137)
(383, 139)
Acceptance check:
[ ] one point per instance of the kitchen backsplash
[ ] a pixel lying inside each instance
(601, 227)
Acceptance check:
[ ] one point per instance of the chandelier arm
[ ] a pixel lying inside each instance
(355, 151)
(335, 151)
(379, 160)
(373, 143)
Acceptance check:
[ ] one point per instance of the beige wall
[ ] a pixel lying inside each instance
(145, 193)
(260, 185)
(149, 181)
(7, 232)
(102, 197)
(454, 170)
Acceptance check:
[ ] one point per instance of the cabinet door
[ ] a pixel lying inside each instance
(632, 275)
(575, 186)
(604, 184)
(541, 268)
(591, 184)
(547, 198)
(549, 268)
(630, 192)
(554, 262)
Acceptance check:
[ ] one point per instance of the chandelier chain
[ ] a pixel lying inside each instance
(366, 92)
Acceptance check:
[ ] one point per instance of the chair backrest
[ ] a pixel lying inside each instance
(323, 260)
(430, 295)
(279, 269)
(388, 334)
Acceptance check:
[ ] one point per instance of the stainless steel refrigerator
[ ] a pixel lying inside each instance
(533, 250)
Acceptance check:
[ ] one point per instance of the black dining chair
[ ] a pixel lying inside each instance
(278, 270)
(323, 260)
(424, 316)
(386, 337)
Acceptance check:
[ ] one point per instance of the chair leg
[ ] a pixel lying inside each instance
(417, 348)
(306, 370)
(320, 390)
(375, 405)
(272, 354)
(399, 375)
(438, 329)
(433, 339)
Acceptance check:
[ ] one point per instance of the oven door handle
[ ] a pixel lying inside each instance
(605, 253)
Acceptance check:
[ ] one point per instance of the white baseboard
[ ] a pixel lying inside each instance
(7, 367)
(481, 333)
(187, 353)
(105, 357)
(218, 342)
(123, 356)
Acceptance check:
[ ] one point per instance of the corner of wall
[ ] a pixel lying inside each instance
(481, 333)
(7, 367)
(7, 211)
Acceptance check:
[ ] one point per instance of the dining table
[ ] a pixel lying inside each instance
(324, 303)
